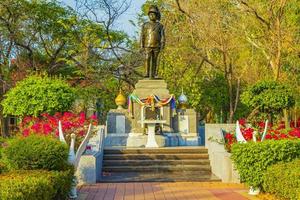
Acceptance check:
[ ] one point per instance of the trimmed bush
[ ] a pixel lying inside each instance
(36, 184)
(283, 180)
(35, 95)
(36, 152)
(252, 159)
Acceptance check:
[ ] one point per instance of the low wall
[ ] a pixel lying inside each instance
(90, 164)
(220, 161)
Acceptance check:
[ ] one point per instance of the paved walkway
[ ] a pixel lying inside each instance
(164, 191)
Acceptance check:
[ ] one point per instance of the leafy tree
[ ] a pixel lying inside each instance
(35, 95)
(44, 36)
(269, 97)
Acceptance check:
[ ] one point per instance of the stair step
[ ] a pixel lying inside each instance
(192, 150)
(153, 162)
(158, 177)
(157, 168)
(154, 156)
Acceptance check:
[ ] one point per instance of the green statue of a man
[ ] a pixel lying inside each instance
(152, 41)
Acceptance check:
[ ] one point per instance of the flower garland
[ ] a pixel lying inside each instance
(151, 101)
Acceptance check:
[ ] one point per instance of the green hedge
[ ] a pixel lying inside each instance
(35, 184)
(36, 152)
(283, 180)
(252, 159)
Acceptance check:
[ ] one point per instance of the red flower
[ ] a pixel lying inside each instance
(268, 136)
(261, 124)
(248, 133)
(282, 136)
(242, 122)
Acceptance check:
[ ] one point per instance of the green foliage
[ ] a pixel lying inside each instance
(283, 180)
(36, 152)
(2, 163)
(252, 159)
(268, 96)
(35, 184)
(35, 95)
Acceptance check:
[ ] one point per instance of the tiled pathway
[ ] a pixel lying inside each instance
(164, 191)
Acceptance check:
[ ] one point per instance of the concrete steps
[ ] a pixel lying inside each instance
(161, 164)
(154, 162)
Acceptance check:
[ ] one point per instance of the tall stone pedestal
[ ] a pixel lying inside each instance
(143, 89)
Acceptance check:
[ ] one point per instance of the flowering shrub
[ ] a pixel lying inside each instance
(48, 125)
(274, 132)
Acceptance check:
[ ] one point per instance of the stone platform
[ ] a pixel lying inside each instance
(130, 129)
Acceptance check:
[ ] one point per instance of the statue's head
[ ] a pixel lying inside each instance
(153, 13)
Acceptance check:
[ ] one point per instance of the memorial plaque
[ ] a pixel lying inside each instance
(183, 123)
(120, 124)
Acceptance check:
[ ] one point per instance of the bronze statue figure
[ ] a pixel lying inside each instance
(152, 41)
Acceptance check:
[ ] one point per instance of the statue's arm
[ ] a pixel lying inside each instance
(142, 37)
(163, 38)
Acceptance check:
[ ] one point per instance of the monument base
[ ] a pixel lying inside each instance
(141, 140)
(115, 139)
(176, 139)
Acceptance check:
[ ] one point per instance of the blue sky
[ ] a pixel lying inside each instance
(123, 23)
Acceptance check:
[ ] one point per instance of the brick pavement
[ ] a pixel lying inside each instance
(164, 191)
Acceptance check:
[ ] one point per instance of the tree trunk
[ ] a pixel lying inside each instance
(286, 118)
(3, 120)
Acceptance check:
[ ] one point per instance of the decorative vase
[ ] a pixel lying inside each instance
(182, 101)
(120, 100)
(253, 191)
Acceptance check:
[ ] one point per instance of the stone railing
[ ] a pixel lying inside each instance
(90, 164)
(219, 158)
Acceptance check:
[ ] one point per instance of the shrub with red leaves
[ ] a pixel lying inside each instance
(48, 125)
(276, 132)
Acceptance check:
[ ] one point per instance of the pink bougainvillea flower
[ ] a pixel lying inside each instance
(94, 117)
(36, 127)
(47, 129)
(82, 133)
(26, 119)
(26, 132)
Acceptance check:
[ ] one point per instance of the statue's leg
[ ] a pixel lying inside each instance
(147, 62)
(154, 62)
(151, 75)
